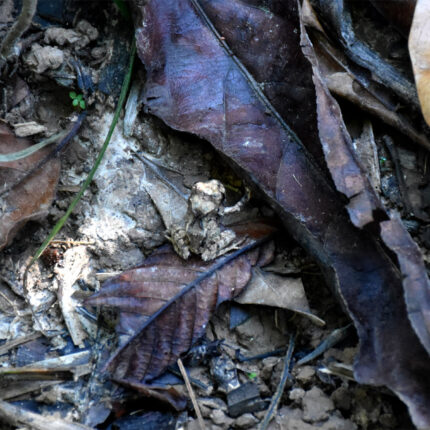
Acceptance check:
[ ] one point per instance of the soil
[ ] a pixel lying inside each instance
(116, 224)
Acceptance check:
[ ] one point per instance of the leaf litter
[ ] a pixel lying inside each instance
(290, 179)
(140, 228)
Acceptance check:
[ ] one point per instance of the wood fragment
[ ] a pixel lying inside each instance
(18, 417)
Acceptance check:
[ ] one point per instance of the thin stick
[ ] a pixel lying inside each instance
(191, 393)
(279, 391)
(17, 416)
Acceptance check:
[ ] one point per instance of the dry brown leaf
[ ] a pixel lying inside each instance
(270, 289)
(140, 293)
(419, 51)
(31, 199)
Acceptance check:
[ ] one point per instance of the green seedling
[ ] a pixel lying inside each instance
(252, 375)
(77, 100)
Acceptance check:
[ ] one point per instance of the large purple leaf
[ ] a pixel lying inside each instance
(194, 84)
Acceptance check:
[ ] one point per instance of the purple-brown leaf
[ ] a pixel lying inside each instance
(195, 85)
(139, 293)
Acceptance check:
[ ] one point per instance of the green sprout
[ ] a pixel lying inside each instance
(252, 375)
(77, 100)
(382, 161)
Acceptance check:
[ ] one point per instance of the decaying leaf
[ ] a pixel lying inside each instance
(337, 16)
(270, 289)
(153, 344)
(343, 80)
(195, 84)
(31, 199)
(364, 205)
(419, 50)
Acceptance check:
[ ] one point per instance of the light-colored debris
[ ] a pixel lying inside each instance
(367, 152)
(269, 289)
(17, 416)
(43, 58)
(132, 107)
(80, 37)
(419, 50)
(316, 405)
(25, 129)
(75, 263)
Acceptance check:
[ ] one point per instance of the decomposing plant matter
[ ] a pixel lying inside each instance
(196, 84)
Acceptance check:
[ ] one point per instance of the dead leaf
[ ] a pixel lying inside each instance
(269, 289)
(419, 50)
(363, 205)
(76, 260)
(343, 80)
(31, 199)
(195, 84)
(415, 283)
(153, 344)
(337, 15)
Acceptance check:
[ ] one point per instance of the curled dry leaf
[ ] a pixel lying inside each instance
(419, 50)
(344, 80)
(195, 84)
(337, 16)
(139, 293)
(31, 199)
(364, 205)
(270, 289)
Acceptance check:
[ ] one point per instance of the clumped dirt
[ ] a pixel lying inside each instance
(116, 224)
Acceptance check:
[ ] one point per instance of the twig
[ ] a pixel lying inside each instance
(279, 391)
(191, 393)
(22, 23)
(18, 417)
(332, 339)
